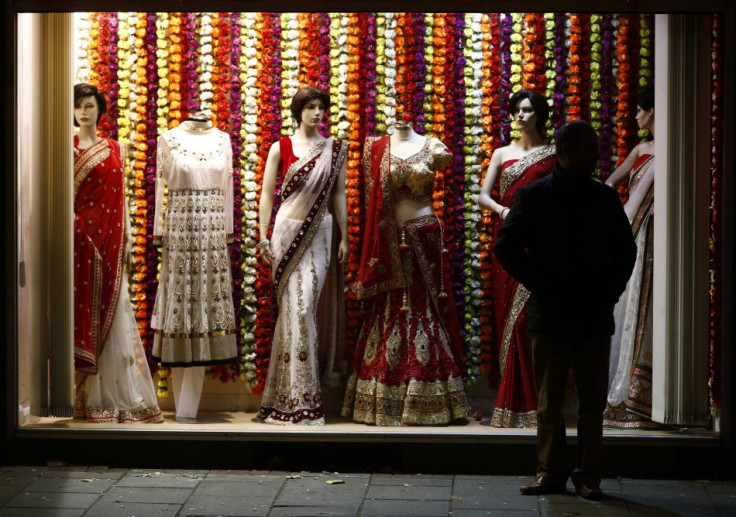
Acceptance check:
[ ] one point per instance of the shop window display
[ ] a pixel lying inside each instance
(448, 75)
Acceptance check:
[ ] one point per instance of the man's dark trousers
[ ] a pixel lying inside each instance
(553, 356)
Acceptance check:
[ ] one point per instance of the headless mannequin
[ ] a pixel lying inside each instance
(188, 382)
(405, 142)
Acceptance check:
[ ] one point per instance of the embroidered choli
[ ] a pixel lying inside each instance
(413, 177)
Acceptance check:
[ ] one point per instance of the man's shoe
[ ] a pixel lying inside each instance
(544, 484)
(589, 492)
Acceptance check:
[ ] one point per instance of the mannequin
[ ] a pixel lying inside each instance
(406, 367)
(526, 160)
(306, 251)
(630, 394)
(193, 315)
(112, 383)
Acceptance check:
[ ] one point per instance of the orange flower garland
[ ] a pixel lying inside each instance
(176, 20)
(575, 80)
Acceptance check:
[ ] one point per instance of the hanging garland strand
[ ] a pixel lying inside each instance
(716, 218)
(269, 79)
(607, 131)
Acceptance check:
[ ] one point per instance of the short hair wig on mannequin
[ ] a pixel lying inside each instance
(303, 97)
(645, 98)
(538, 102)
(83, 90)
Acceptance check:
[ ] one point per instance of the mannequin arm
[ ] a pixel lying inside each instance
(622, 171)
(341, 212)
(485, 200)
(265, 204)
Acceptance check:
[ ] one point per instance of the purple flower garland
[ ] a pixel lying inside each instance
(152, 256)
(607, 136)
(236, 249)
(419, 75)
(369, 65)
(190, 57)
(560, 54)
(507, 24)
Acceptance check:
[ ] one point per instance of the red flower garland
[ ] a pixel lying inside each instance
(533, 77)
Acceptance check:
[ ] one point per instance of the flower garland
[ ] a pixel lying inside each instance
(99, 52)
(606, 98)
(369, 67)
(268, 27)
(126, 60)
(404, 45)
(716, 218)
(491, 139)
(308, 34)
(356, 81)
(175, 50)
(507, 50)
(575, 70)
(339, 72)
(151, 131)
(190, 58)
(390, 73)
(419, 104)
(645, 52)
(472, 150)
(290, 68)
(596, 58)
(84, 43)
(534, 53)
(625, 108)
(246, 311)
(206, 62)
(558, 115)
(163, 102)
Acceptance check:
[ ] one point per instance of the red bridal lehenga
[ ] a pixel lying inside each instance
(516, 401)
(630, 394)
(112, 382)
(309, 334)
(405, 370)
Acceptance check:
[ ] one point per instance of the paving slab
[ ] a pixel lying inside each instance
(155, 478)
(83, 474)
(226, 506)
(42, 512)
(411, 508)
(466, 512)
(48, 500)
(345, 498)
(12, 483)
(119, 494)
(311, 511)
(494, 501)
(108, 509)
(420, 493)
(89, 485)
(473, 487)
(410, 481)
(240, 487)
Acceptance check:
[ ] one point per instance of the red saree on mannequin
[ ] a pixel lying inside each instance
(516, 403)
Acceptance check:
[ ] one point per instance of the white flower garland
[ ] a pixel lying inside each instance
(386, 105)
(81, 57)
(249, 187)
(473, 52)
(339, 124)
(289, 68)
(162, 63)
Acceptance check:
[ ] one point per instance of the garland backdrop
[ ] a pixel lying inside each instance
(449, 74)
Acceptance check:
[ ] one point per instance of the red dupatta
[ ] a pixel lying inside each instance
(99, 231)
(380, 267)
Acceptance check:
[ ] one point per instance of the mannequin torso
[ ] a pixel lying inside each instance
(405, 143)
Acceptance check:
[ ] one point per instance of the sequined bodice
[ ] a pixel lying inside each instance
(413, 177)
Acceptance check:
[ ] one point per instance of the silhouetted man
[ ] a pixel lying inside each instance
(568, 240)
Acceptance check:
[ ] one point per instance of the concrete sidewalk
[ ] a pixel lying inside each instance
(109, 492)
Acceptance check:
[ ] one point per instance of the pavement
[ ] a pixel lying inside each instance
(114, 492)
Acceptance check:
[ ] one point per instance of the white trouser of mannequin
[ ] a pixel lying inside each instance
(187, 390)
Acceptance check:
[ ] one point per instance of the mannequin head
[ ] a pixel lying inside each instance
(534, 111)
(645, 108)
(89, 104)
(308, 98)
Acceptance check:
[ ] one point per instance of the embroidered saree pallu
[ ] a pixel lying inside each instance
(308, 284)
